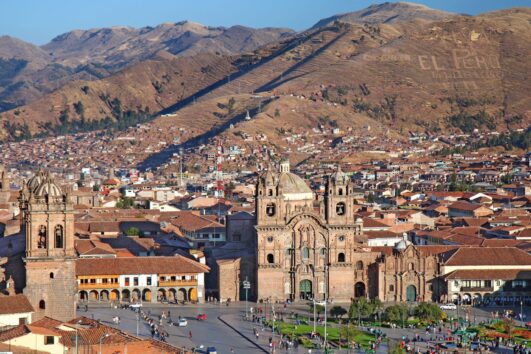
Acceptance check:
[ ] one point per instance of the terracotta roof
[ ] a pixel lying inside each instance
(464, 206)
(369, 222)
(381, 234)
(489, 274)
(14, 332)
(489, 256)
(14, 304)
(139, 265)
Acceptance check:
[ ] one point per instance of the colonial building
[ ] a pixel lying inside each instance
(48, 223)
(308, 247)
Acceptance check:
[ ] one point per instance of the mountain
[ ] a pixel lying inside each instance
(453, 75)
(27, 72)
(388, 12)
(119, 46)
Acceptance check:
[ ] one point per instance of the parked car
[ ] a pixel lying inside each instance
(183, 322)
(211, 350)
(448, 306)
(202, 317)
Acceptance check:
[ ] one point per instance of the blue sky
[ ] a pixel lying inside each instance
(38, 21)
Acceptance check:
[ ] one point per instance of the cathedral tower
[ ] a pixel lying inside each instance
(48, 221)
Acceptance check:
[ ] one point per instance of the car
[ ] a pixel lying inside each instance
(448, 306)
(135, 306)
(211, 350)
(182, 322)
(202, 317)
(449, 345)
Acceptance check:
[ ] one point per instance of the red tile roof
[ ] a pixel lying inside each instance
(14, 304)
(495, 256)
(489, 274)
(139, 265)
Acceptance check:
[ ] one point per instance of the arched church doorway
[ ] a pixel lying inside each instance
(411, 293)
(305, 289)
(359, 289)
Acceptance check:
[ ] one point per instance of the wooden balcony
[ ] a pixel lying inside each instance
(178, 283)
(477, 288)
(98, 286)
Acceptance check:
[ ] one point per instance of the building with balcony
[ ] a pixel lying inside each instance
(141, 279)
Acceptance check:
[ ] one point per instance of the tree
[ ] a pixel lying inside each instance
(370, 198)
(359, 308)
(337, 311)
(230, 105)
(96, 188)
(428, 312)
(396, 313)
(277, 113)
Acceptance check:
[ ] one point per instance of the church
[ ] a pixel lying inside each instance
(312, 247)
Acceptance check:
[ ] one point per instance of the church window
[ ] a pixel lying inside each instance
(270, 239)
(305, 252)
(340, 191)
(359, 265)
(59, 237)
(323, 251)
(341, 258)
(42, 237)
(340, 208)
(51, 275)
(42, 305)
(341, 238)
(411, 266)
(391, 287)
(270, 192)
(270, 209)
(270, 258)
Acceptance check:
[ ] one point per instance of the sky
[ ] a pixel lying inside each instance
(38, 21)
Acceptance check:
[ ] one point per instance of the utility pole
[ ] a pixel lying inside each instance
(137, 322)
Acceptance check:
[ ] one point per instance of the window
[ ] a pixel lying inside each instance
(42, 305)
(323, 252)
(135, 281)
(341, 238)
(270, 209)
(49, 340)
(340, 208)
(359, 265)
(270, 192)
(148, 280)
(411, 266)
(391, 287)
(22, 320)
(105, 281)
(340, 192)
(270, 258)
(41, 243)
(217, 236)
(173, 278)
(59, 236)
(456, 283)
(92, 281)
(127, 281)
(51, 275)
(341, 258)
(305, 252)
(269, 239)
(488, 283)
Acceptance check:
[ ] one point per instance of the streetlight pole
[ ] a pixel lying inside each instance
(325, 301)
(137, 322)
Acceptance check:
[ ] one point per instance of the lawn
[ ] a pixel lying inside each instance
(333, 333)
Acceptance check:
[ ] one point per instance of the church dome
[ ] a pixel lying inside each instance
(36, 180)
(402, 245)
(293, 187)
(49, 188)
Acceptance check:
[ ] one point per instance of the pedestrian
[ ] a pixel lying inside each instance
(231, 351)
(190, 335)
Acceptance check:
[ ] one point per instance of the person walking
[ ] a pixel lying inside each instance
(190, 335)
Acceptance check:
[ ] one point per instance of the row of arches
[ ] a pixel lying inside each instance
(136, 295)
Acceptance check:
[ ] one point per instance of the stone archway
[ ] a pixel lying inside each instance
(182, 295)
(411, 293)
(161, 294)
(359, 290)
(83, 295)
(192, 294)
(126, 295)
(114, 295)
(136, 295)
(104, 295)
(172, 294)
(93, 295)
(146, 295)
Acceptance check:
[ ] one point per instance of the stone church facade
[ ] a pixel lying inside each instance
(312, 247)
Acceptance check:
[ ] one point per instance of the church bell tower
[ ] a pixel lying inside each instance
(48, 222)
